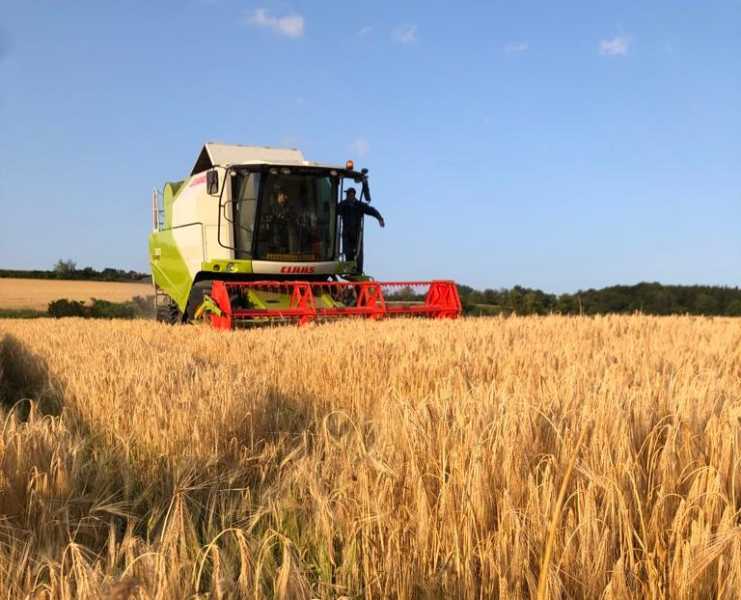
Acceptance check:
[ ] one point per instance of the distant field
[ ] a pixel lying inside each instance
(37, 293)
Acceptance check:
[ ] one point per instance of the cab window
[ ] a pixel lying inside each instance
(297, 218)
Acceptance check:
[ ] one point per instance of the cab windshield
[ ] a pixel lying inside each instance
(285, 216)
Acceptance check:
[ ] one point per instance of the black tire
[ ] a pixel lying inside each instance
(195, 298)
(168, 313)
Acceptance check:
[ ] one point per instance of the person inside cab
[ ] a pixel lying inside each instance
(281, 221)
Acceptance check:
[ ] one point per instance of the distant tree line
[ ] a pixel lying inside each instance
(67, 270)
(645, 298)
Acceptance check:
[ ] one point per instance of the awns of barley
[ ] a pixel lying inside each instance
(514, 458)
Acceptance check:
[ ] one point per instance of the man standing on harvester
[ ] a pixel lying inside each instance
(352, 213)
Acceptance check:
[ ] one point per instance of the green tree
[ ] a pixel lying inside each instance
(516, 295)
(705, 304)
(567, 305)
(65, 268)
(733, 309)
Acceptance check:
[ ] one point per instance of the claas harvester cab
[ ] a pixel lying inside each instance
(254, 235)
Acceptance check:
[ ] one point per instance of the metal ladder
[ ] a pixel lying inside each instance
(158, 214)
(158, 218)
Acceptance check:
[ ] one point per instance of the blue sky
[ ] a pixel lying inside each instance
(554, 145)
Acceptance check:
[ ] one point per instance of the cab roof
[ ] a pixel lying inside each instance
(214, 154)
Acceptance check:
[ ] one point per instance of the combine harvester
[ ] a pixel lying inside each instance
(218, 253)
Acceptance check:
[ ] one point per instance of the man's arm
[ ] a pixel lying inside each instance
(369, 210)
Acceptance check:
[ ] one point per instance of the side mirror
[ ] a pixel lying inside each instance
(212, 183)
(366, 191)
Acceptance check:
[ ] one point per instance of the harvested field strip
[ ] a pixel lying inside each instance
(394, 459)
(37, 293)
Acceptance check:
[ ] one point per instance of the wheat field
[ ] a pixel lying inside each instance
(539, 457)
(37, 293)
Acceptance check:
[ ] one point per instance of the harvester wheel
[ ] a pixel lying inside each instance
(196, 297)
(168, 313)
